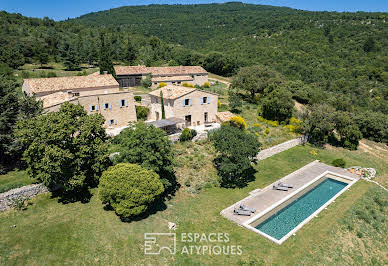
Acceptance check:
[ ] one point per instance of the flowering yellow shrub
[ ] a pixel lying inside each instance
(257, 125)
(269, 122)
(185, 84)
(266, 131)
(162, 84)
(218, 103)
(206, 84)
(293, 125)
(238, 121)
(314, 152)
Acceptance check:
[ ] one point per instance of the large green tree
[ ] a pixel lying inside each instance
(255, 80)
(278, 105)
(66, 149)
(9, 110)
(149, 147)
(129, 189)
(236, 150)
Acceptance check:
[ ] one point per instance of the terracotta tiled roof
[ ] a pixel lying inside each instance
(55, 98)
(131, 70)
(173, 78)
(156, 71)
(41, 85)
(172, 92)
(225, 116)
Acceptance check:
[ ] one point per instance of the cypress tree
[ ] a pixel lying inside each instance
(162, 102)
(105, 62)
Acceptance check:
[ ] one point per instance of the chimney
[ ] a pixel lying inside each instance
(105, 72)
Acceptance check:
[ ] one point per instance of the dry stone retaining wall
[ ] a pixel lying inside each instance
(279, 148)
(7, 199)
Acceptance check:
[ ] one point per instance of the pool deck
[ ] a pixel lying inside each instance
(263, 199)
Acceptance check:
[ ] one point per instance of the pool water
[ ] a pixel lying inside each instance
(282, 222)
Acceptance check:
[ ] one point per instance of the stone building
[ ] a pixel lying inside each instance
(96, 93)
(130, 76)
(194, 106)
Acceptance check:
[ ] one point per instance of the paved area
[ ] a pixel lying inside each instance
(266, 197)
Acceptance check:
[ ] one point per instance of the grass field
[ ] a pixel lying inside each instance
(49, 232)
(14, 179)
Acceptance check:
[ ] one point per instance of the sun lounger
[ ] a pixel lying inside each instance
(285, 185)
(242, 212)
(280, 188)
(246, 208)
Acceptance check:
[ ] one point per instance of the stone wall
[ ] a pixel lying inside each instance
(279, 148)
(7, 199)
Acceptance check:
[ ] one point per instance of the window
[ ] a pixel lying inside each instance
(205, 100)
(187, 102)
(75, 94)
(156, 99)
(123, 103)
(112, 122)
(179, 83)
(93, 108)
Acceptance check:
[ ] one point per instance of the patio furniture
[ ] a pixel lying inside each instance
(280, 188)
(246, 208)
(285, 185)
(242, 212)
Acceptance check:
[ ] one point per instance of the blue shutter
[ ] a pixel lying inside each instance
(121, 103)
(115, 122)
(183, 103)
(110, 122)
(110, 106)
(191, 102)
(208, 100)
(201, 100)
(97, 107)
(103, 107)
(126, 103)
(91, 108)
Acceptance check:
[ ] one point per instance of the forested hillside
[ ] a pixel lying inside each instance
(341, 56)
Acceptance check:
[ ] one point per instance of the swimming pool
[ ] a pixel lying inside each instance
(283, 219)
(279, 224)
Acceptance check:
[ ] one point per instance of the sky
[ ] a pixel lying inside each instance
(63, 9)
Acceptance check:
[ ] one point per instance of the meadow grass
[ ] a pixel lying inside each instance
(14, 179)
(49, 232)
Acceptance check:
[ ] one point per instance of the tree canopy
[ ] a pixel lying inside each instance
(67, 150)
(129, 189)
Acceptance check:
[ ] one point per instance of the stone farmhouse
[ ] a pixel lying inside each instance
(130, 76)
(191, 106)
(96, 93)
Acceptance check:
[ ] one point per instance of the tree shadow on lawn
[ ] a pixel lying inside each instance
(156, 206)
(63, 197)
(240, 182)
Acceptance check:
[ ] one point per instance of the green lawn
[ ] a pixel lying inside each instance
(49, 232)
(14, 179)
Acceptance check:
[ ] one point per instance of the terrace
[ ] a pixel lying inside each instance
(268, 201)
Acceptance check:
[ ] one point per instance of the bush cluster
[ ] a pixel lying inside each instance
(187, 134)
(339, 163)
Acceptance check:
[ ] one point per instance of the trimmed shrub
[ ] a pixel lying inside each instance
(238, 121)
(187, 134)
(162, 84)
(129, 189)
(137, 98)
(206, 84)
(339, 163)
